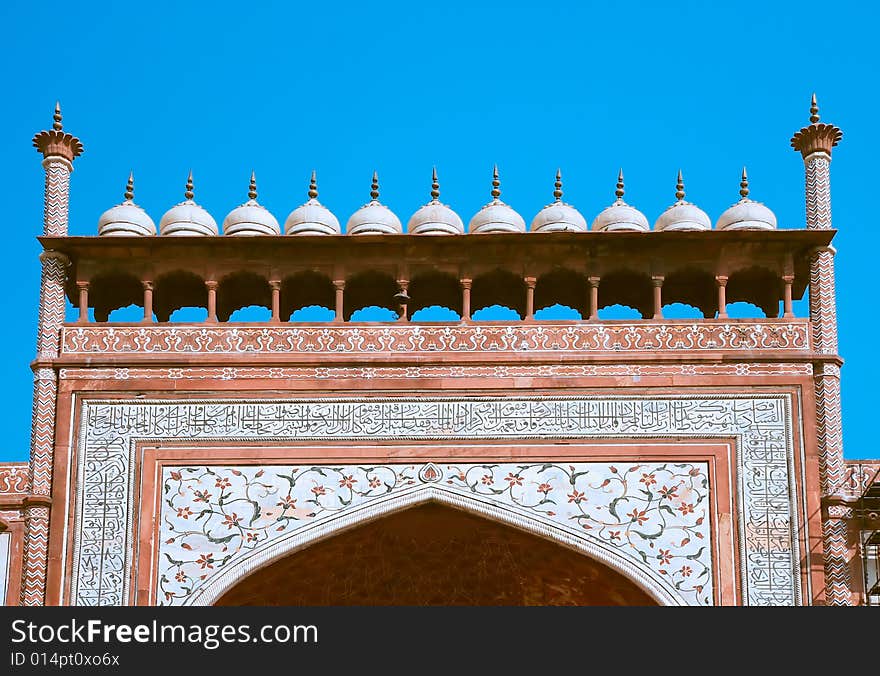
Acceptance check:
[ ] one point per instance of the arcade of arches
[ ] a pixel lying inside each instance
(435, 555)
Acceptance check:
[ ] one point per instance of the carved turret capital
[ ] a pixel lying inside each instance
(56, 143)
(818, 137)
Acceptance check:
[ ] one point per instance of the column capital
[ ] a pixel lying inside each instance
(721, 280)
(531, 282)
(339, 284)
(593, 280)
(52, 255)
(788, 279)
(466, 283)
(657, 280)
(817, 137)
(211, 284)
(823, 249)
(80, 284)
(275, 284)
(147, 284)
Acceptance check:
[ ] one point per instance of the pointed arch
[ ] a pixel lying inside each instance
(224, 579)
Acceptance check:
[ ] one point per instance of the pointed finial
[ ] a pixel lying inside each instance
(496, 191)
(189, 186)
(744, 185)
(374, 189)
(252, 191)
(129, 187)
(435, 186)
(679, 187)
(56, 125)
(814, 110)
(313, 186)
(619, 192)
(557, 193)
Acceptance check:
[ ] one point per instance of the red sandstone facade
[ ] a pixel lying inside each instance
(690, 462)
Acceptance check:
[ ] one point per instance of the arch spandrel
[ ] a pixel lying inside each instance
(268, 513)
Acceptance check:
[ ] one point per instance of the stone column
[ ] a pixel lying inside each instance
(148, 302)
(787, 311)
(657, 282)
(83, 288)
(211, 285)
(275, 285)
(402, 298)
(466, 285)
(531, 282)
(59, 150)
(594, 297)
(815, 143)
(721, 284)
(339, 285)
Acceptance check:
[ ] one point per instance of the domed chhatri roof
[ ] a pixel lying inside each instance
(746, 214)
(187, 218)
(373, 218)
(559, 216)
(251, 218)
(682, 215)
(620, 216)
(435, 218)
(126, 219)
(312, 218)
(496, 216)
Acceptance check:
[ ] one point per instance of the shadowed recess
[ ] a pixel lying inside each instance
(434, 555)
(434, 288)
(499, 287)
(241, 290)
(694, 287)
(625, 287)
(366, 289)
(175, 290)
(562, 287)
(113, 290)
(306, 289)
(756, 285)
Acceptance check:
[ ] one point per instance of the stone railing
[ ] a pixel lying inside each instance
(789, 335)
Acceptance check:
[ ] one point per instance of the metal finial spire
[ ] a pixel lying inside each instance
(313, 186)
(129, 187)
(252, 190)
(374, 188)
(744, 185)
(435, 186)
(56, 125)
(620, 191)
(557, 193)
(814, 110)
(189, 186)
(496, 189)
(679, 187)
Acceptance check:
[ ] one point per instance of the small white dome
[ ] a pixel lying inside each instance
(312, 218)
(251, 218)
(373, 218)
(126, 219)
(187, 218)
(620, 216)
(747, 214)
(682, 216)
(496, 216)
(559, 216)
(435, 218)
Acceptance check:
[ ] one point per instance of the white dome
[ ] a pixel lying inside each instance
(126, 219)
(435, 218)
(496, 216)
(251, 218)
(312, 218)
(620, 216)
(747, 214)
(187, 218)
(558, 216)
(373, 218)
(682, 216)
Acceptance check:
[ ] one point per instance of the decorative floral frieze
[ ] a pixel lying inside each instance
(311, 373)
(761, 425)
(789, 335)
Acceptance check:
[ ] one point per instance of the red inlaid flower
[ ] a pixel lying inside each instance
(686, 571)
(639, 516)
(287, 502)
(576, 497)
(669, 493)
(205, 561)
(319, 490)
(347, 481)
(665, 556)
(231, 520)
(202, 496)
(545, 488)
(180, 576)
(222, 482)
(685, 508)
(487, 480)
(514, 479)
(375, 482)
(648, 479)
(184, 512)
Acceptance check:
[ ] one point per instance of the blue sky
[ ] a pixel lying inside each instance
(346, 88)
